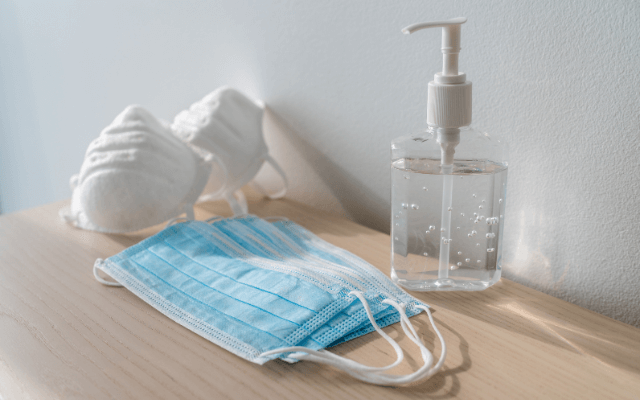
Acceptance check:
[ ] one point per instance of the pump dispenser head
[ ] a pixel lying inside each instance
(449, 101)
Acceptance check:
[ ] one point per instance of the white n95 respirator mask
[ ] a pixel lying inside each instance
(228, 125)
(136, 174)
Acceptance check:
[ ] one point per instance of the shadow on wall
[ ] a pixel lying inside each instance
(317, 180)
(529, 249)
(21, 144)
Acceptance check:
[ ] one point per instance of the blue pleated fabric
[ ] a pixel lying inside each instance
(251, 286)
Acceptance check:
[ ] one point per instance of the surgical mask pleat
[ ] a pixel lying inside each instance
(237, 229)
(244, 290)
(315, 245)
(267, 291)
(274, 257)
(197, 308)
(254, 226)
(241, 313)
(242, 225)
(293, 290)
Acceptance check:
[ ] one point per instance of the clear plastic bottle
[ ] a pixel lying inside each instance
(448, 188)
(478, 183)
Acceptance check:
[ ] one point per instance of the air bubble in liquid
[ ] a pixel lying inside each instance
(500, 201)
(449, 209)
(446, 241)
(474, 195)
(431, 228)
(427, 232)
(407, 177)
(480, 207)
(459, 264)
(467, 260)
(425, 188)
(458, 228)
(473, 233)
(491, 235)
(396, 238)
(459, 253)
(462, 214)
(492, 221)
(415, 206)
(442, 230)
(425, 254)
(479, 261)
(453, 267)
(491, 250)
(477, 244)
(404, 205)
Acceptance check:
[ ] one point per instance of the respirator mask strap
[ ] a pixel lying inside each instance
(238, 203)
(100, 279)
(283, 177)
(215, 195)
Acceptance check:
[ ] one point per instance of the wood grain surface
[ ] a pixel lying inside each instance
(65, 336)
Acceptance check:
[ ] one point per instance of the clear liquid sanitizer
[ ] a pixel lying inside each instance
(448, 187)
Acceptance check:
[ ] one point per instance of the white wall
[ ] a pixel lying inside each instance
(558, 80)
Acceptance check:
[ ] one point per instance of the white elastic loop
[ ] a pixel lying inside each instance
(174, 221)
(323, 356)
(188, 210)
(216, 194)
(275, 219)
(368, 374)
(239, 195)
(283, 176)
(238, 203)
(423, 373)
(99, 278)
(408, 329)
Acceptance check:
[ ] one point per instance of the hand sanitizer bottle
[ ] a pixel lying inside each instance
(448, 187)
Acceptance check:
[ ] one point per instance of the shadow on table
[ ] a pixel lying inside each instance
(521, 310)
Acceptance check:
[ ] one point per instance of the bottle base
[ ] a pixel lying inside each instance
(444, 285)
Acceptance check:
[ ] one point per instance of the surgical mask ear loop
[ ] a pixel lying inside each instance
(175, 220)
(365, 373)
(395, 380)
(275, 219)
(339, 362)
(283, 176)
(101, 279)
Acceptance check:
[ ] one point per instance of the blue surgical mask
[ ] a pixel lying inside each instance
(266, 291)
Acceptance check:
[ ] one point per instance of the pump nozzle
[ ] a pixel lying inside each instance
(449, 101)
(450, 46)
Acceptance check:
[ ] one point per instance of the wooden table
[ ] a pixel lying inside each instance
(64, 335)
